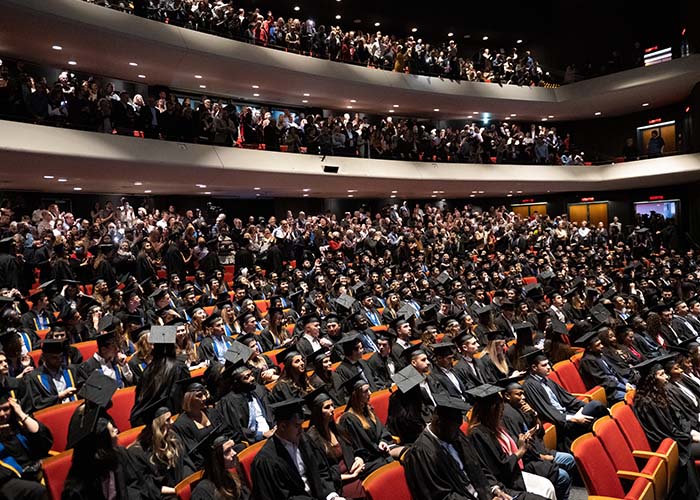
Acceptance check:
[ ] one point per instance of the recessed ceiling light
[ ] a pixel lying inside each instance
(414, 30)
(396, 105)
(56, 47)
(133, 64)
(433, 196)
(351, 196)
(202, 86)
(201, 186)
(472, 195)
(338, 16)
(510, 195)
(256, 189)
(450, 34)
(72, 63)
(474, 192)
(519, 192)
(137, 183)
(481, 192)
(598, 113)
(207, 192)
(305, 195)
(352, 190)
(645, 104)
(550, 116)
(544, 119)
(392, 196)
(475, 112)
(307, 94)
(394, 191)
(507, 117)
(436, 109)
(147, 191)
(513, 115)
(255, 86)
(256, 95)
(305, 101)
(391, 111)
(519, 40)
(377, 24)
(306, 190)
(257, 194)
(357, 21)
(142, 76)
(353, 100)
(198, 76)
(62, 180)
(349, 107)
(76, 188)
(48, 177)
(467, 36)
(485, 38)
(297, 8)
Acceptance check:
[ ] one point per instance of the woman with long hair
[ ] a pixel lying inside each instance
(264, 370)
(293, 382)
(158, 457)
(185, 348)
(218, 481)
(197, 316)
(661, 420)
(195, 422)
(228, 316)
(275, 335)
(99, 465)
(495, 363)
(323, 374)
(347, 469)
(391, 311)
(142, 356)
(364, 429)
(499, 452)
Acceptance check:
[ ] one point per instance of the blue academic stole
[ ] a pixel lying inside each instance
(67, 378)
(8, 461)
(117, 374)
(216, 348)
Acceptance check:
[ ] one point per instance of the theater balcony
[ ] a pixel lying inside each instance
(104, 41)
(46, 159)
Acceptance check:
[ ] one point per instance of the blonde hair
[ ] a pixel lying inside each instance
(498, 357)
(364, 415)
(166, 446)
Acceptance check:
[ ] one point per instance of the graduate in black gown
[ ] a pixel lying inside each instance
(196, 421)
(443, 465)
(409, 410)
(160, 379)
(24, 441)
(158, 457)
(324, 376)
(223, 477)
(293, 382)
(364, 429)
(99, 465)
(660, 420)
(142, 357)
(275, 473)
(52, 383)
(679, 395)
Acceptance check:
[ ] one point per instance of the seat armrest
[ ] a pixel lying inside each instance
(649, 454)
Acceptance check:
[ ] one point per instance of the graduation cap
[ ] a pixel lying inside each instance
(209, 321)
(105, 339)
(547, 275)
(398, 322)
(98, 389)
(446, 403)
(507, 305)
(410, 352)
(317, 397)
(429, 312)
(358, 287)
(87, 302)
(510, 383)
(238, 352)
(495, 335)
(275, 310)
(318, 356)
(162, 334)
(533, 290)
(443, 348)
(158, 294)
(192, 309)
(348, 343)
(193, 384)
(558, 327)
(354, 382)
(387, 335)
(447, 320)
(309, 318)
(52, 346)
(345, 302)
(484, 310)
(586, 339)
(287, 409)
(444, 278)
(406, 311)
(87, 424)
(484, 391)
(534, 356)
(5, 243)
(209, 441)
(642, 230)
(8, 335)
(661, 307)
(5, 394)
(652, 365)
(462, 337)
(407, 379)
(287, 354)
(600, 313)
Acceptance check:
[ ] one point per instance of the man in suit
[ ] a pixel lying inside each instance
(443, 378)
(214, 346)
(310, 341)
(109, 360)
(682, 323)
(505, 320)
(402, 329)
(668, 334)
(382, 363)
(52, 383)
(468, 369)
(595, 369)
(353, 364)
(288, 466)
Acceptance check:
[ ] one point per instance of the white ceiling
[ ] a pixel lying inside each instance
(103, 42)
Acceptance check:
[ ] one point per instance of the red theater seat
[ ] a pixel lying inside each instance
(126, 438)
(246, 457)
(387, 483)
(57, 418)
(184, 488)
(122, 402)
(262, 305)
(87, 348)
(55, 472)
(380, 402)
(571, 381)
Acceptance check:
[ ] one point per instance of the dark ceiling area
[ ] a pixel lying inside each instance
(558, 32)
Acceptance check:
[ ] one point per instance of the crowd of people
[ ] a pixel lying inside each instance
(456, 309)
(377, 50)
(89, 103)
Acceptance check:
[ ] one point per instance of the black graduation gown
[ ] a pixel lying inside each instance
(346, 370)
(492, 457)
(684, 405)
(367, 440)
(334, 463)
(206, 490)
(153, 474)
(88, 366)
(90, 487)
(285, 390)
(432, 474)
(380, 370)
(440, 383)
(137, 366)
(41, 388)
(490, 372)
(316, 381)
(37, 447)
(469, 378)
(190, 435)
(235, 414)
(207, 351)
(169, 389)
(274, 475)
(593, 373)
(408, 414)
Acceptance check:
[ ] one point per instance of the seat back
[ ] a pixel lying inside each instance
(122, 402)
(380, 403)
(630, 427)
(87, 348)
(246, 457)
(555, 377)
(36, 356)
(57, 418)
(126, 438)
(55, 472)
(387, 483)
(576, 359)
(607, 431)
(184, 488)
(596, 468)
(570, 377)
(262, 305)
